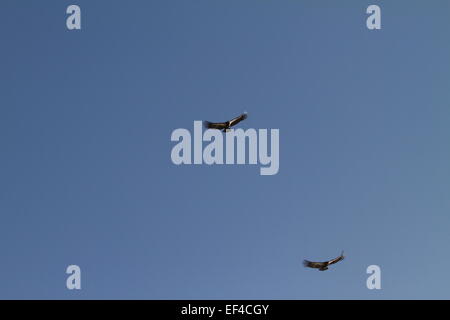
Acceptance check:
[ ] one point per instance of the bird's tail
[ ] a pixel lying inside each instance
(207, 124)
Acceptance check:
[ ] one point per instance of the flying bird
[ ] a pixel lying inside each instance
(322, 266)
(225, 126)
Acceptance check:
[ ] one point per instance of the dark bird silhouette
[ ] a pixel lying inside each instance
(225, 126)
(322, 266)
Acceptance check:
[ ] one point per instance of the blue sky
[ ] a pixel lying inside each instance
(86, 176)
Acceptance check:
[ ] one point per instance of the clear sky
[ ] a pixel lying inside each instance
(86, 176)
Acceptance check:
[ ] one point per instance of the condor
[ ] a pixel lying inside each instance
(225, 126)
(322, 266)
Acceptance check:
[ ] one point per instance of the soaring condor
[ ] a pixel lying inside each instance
(322, 266)
(225, 126)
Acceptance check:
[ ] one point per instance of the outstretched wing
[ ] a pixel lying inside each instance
(238, 119)
(215, 125)
(317, 265)
(335, 260)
